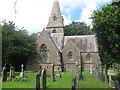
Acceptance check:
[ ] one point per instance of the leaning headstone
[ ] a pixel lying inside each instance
(37, 82)
(4, 74)
(22, 71)
(91, 69)
(52, 76)
(58, 73)
(43, 77)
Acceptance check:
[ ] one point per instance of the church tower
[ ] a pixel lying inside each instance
(55, 24)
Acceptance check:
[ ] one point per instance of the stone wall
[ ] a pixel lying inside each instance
(93, 60)
(70, 63)
(57, 29)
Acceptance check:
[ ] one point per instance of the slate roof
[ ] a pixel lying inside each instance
(86, 43)
(58, 40)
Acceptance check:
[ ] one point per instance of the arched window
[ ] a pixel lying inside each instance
(88, 57)
(54, 31)
(70, 55)
(43, 53)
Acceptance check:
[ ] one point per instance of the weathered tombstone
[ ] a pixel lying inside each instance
(12, 72)
(22, 74)
(91, 68)
(110, 80)
(52, 76)
(58, 73)
(43, 77)
(73, 86)
(4, 74)
(37, 82)
(40, 70)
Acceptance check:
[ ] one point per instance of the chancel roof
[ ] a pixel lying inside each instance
(86, 43)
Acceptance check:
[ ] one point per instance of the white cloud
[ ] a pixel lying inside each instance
(90, 6)
(33, 15)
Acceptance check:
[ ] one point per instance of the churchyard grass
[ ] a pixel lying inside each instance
(90, 81)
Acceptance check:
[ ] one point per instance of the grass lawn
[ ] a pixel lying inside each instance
(90, 81)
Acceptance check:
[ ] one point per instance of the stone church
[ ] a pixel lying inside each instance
(66, 52)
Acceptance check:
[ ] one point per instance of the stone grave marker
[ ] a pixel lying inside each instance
(73, 85)
(91, 68)
(52, 76)
(37, 82)
(58, 73)
(4, 74)
(40, 70)
(22, 74)
(43, 77)
(12, 72)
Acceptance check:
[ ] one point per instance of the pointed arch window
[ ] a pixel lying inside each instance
(70, 55)
(54, 31)
(43, 53)
(88, 57)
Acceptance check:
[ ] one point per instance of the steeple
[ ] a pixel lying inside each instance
(55, 19)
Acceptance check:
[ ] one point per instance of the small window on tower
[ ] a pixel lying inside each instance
(54, 17)
(54, 31)
(70, 55)
(88, 57)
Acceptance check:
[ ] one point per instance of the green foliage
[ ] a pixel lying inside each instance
(106, 25)
(17, 45)
(77, 28)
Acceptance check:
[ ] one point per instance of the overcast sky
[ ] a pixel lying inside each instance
(33, 15)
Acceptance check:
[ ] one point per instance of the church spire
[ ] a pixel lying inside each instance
(55, 19)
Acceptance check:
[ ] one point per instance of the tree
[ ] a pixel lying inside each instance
(18, 46)
(106, 24)
(77, 28)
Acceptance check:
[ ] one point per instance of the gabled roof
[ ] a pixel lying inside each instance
(46, 34)
(85, 43)
(70, 42)
(58, 40)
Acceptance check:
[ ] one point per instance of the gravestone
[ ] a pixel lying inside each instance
(40, 70)
(22, 74)
(12, 72)
(52, 76)
(4, 74)
(58, 73)
(91, 68)
(37, 82)
(73, 86)
(43, 77)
